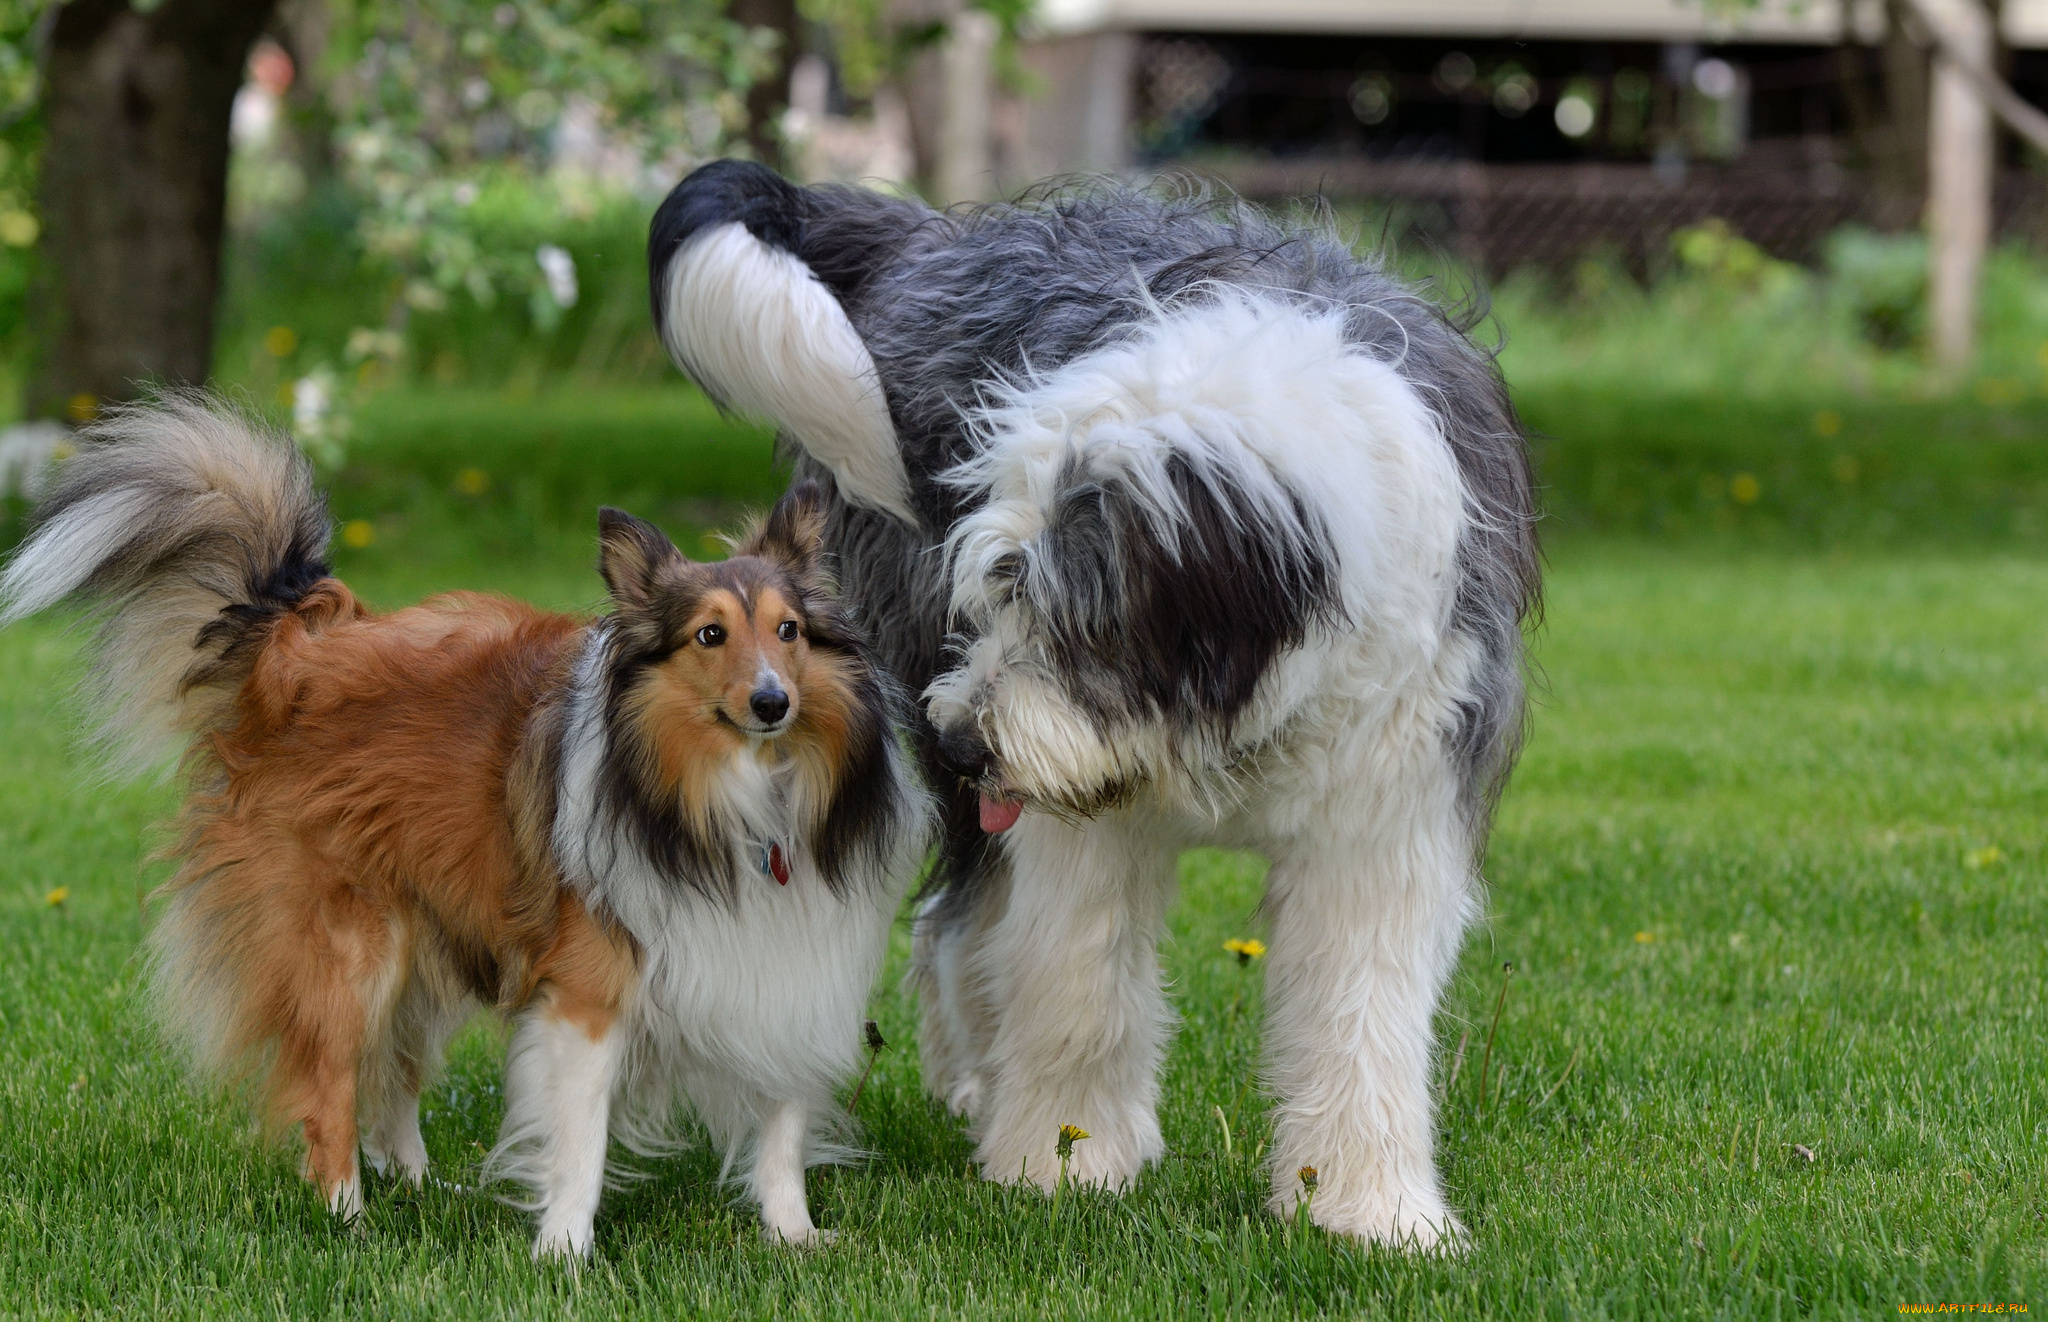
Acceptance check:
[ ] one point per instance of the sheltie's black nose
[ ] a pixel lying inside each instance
(770, 705)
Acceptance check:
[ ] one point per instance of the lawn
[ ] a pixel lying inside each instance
(1769, 879)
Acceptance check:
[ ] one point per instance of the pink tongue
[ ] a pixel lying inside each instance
(999, 815)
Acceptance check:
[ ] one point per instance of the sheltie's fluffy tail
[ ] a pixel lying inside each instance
(192, 529)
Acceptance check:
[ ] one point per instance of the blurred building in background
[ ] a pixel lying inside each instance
(1512, 131)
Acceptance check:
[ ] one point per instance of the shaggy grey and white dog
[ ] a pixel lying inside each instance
(1191, 529)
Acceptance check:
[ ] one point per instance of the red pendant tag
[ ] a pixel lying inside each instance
(778, 865)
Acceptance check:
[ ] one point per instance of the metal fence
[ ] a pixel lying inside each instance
(1501, 216)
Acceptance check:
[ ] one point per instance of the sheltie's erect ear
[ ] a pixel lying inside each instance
(793, 534)
(633, 555)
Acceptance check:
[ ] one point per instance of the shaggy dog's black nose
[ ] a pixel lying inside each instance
(770, 705)
(962, 753)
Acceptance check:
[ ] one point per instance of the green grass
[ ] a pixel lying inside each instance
(1800, 471)
(1734, 876)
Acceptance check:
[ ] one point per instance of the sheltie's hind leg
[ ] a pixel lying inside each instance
(339, 981)
(314, 1087)
(402, 1063)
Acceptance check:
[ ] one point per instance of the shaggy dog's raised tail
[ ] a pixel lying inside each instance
(191, 529)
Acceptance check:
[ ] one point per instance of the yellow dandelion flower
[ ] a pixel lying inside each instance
(1069, 1135)
(83, 407)
(1827, 422)
(1645, 938)
(1743, 488)
(1979, 859)
(472, 481)
(1307, 1176)
(1246, 949)
(357, 534)
(58, 896)
(280, 341)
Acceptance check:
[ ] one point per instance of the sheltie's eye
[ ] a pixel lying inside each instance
(711, 635)
(786, 631)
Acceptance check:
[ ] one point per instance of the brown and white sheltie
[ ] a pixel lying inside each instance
(669, 841)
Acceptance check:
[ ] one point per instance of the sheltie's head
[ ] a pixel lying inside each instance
(715, 673)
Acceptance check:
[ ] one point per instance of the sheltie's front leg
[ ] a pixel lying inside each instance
(777, 1180)
(559, 1076)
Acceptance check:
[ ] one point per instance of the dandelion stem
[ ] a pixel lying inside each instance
(1304, 1202)
(875, 1045)
(1507, 973)
(1068, 1136)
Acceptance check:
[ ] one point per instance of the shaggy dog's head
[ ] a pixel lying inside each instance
(1121, 590)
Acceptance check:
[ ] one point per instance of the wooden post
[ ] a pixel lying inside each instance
(1959, 177)
(966, 164)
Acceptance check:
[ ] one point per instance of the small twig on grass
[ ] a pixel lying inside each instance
(1756, 1146)
(1569, 1066)
(1507, 973)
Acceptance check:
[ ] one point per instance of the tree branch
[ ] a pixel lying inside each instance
(2019, 116)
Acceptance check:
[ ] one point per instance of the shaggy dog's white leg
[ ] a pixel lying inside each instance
(1367, 910)
(949, 970)
(558, 1087)
(1083, 1020)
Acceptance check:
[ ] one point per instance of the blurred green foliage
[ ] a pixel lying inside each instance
(21, 147)
(308, 270)
(460, 128)
(1724, 318)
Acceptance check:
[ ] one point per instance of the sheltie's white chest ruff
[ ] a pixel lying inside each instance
(768, 990)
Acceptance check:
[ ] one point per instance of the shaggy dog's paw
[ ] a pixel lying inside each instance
(809, 1238)
(1434, 1230)
(568, 1245)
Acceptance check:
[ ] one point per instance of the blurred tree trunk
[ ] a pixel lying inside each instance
(768, 98)
(134, 193)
